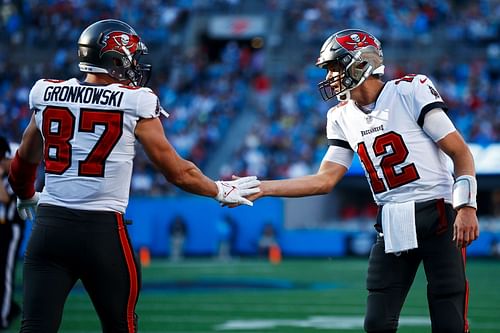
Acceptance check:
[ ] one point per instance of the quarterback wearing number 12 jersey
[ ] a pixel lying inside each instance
(407, 145)
(89, 140)
(402, 163)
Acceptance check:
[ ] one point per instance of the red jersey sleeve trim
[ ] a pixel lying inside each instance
(22, 176)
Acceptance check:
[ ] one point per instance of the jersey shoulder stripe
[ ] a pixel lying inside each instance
(339, 143)
(429, 107)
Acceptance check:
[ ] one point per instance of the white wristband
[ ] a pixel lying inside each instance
(464, 192)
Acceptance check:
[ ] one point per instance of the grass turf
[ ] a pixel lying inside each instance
(249, 295)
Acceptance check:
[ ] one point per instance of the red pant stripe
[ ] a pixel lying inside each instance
(466, 305)
(132, 271)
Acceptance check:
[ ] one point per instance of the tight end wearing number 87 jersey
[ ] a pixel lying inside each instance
(89, 140)
(86, 133)
(400, 160)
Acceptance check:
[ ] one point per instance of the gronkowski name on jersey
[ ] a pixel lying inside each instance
(89, 141)
(401, 162)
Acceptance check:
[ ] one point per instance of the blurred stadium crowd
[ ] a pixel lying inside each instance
(205, 89)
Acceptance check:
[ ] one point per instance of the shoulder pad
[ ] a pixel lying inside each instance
(408, 83)
(338, 106)
(335, 111)
(53, 80)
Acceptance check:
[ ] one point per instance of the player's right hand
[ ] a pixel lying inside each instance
(234, 191)
(250, 197)
(466, 227)
(27, 207)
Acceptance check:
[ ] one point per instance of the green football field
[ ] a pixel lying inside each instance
(255, 296)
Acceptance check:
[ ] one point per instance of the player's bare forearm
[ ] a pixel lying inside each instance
(328, 175)
(297, 187)
(463, 163)
(294, 187)
(176, 170)
(190, 178)
(454, 146)
(466, 226)
(4, 195)
(31, 148)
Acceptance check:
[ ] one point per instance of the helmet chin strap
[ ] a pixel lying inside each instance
(345, 96)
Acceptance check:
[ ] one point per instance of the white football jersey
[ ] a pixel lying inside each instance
(401, 162)
(89, 141)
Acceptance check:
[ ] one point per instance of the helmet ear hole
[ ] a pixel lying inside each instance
(361, 65)
(118, 62)
(348, 82)
(346, 60)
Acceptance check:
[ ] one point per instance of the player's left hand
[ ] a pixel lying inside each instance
(466, 227)
(234, 191)
(27, 207)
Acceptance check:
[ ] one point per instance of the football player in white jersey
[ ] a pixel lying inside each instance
(85, 132)
(427, 213)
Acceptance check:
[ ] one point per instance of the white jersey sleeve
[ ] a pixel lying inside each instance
(437, 125)
(148, 104)
(421, 96)
(334, 133)
(34, 94)
(339, 155)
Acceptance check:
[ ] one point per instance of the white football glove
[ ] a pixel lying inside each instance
(234, 191)
(27, 207)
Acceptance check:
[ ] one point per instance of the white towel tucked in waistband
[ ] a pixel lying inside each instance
(398, 224)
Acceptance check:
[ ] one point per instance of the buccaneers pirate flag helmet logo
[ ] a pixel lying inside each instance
(121, 42)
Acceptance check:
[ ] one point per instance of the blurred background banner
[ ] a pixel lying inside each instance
(239, 81)
(487, 158)
(236, 26)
